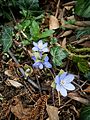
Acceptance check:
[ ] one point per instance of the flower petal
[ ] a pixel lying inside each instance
(57, 79)
(46, 59)
(35, 48)
(47, 65)
(36, 64)
(62, 90)
(41, 66)
(63, 75)
(40, 44)
(45, 50)
(69, 78)
(69, 86)
(45, 45)
(35, 44)
(34, 58)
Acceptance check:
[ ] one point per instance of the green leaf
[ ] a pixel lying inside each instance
(83, 8)
(53, 40)
(85, 113)
(35, 30)
(58, 55)
(7, 38)
(47, 33)
(87, 75)
(82, 64)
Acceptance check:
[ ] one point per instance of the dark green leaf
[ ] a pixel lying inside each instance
(87, 75)
(58, 55)
(7, 38)
(47, 33)
(85, 113)
(83, 8)
(53, 40)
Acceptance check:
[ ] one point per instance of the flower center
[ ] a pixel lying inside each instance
(62, 82)
(40, 46)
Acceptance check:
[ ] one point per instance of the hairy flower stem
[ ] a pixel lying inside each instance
(59, 98)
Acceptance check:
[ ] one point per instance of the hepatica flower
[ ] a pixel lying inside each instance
(41, 63)
(40, 47)
(63, 83)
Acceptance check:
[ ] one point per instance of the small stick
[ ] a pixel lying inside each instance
(57, 8)
(59, 98)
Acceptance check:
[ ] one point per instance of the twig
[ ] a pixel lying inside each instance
(57, 8)
(22, 71)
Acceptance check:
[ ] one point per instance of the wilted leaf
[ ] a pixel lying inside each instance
(66, 33)
(58, 55)
(53, 23)
(87, 89)
(14, 83)
(64, 43)
(52, 112)
(85, 113)
(8, 73)
(68, 7)
(77, 97)
(7, 38)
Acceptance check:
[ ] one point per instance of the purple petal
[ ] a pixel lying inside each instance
(34, 58)
(40, 44)
(47, 65)
(35, 44)
(57, 79)
(36, 64)
(63, 75)
(63, 91)
(46, 59)
(69, 86)
(35, 48)
(41, 66)
(69, 78)
(45, 50)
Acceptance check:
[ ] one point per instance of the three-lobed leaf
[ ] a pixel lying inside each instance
(58, 54)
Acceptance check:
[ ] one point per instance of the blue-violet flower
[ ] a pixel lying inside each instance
(40, 47)
(41, 63)
(63, 83)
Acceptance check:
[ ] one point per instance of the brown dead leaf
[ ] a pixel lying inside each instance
(68, 7)
(64, 43)
(77, 97)
(85, 44)
(66, 33)
(53, 23)
(87, 89)
(13, 83)
(52, 112)
(18, 110)
(8, 73)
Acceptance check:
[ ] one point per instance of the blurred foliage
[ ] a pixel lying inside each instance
(26, 7)
(83, 8)
(85, 113)
(84, 31)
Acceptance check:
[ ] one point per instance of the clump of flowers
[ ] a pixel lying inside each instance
(40, 57)
(63, 83)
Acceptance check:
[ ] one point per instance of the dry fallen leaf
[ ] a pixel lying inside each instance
(64, 43)
(66, 33)
(87, 89)
(18, 110)
(13, 83)
(77, 97)
(53, 22)
(8, 73)
(52, 112)
(68, 7)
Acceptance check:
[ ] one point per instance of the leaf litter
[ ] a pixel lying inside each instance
(30, 96)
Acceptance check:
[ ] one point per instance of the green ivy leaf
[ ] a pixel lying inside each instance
(82, 64)
(47, 33)
(58, 55)
(85, 113)
(7, 38)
